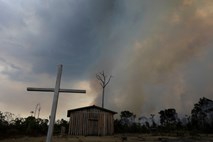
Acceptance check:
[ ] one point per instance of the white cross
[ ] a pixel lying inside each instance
(56, 91)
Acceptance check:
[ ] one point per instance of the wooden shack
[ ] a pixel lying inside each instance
(91, 120)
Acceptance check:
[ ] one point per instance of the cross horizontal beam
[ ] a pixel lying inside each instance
(53, 90)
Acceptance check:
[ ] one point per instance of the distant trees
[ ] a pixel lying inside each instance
(35, 126)
(31, 126)
(126, 123)
(200, 121)
(127, 118)
(59, 124)
(169, 119)
(168, 116)
(202, 115)
(22, 126)
(3, 123)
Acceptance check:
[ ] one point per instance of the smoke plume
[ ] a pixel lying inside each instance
(152, 72)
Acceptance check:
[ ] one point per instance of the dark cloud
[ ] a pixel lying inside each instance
(70, 35)
(66, 32)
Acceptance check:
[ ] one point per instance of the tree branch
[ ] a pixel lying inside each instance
(108, 81)
(99, 78)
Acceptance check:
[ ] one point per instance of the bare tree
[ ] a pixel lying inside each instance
(104, 80)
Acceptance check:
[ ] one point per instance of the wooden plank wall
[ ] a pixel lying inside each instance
(91, 122)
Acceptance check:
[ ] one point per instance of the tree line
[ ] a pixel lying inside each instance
(29, 126)
(200, 121)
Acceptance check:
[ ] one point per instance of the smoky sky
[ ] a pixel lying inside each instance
(158, 52)
(64, 32)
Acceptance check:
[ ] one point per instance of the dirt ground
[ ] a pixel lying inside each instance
(116, 138)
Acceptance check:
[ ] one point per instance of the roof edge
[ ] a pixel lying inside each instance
(92, 106)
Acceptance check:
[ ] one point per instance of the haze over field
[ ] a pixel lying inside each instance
(158, 52)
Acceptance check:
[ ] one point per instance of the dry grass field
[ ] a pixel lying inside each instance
(117, 138)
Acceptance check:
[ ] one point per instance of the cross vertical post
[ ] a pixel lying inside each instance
(54, 104)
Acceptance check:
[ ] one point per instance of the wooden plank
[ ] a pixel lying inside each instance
(91, 122)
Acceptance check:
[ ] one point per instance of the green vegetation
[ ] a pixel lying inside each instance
(200, 121)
